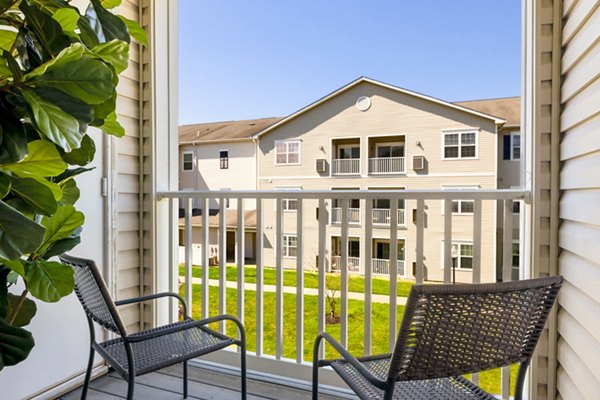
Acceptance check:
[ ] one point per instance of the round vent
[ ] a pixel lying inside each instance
(363, 103)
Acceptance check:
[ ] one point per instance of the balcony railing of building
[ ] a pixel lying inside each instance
(311, 231)
(382, 267)
(346, 166)
(353, 215)
(387, 165)
(353, 264)
(382, 216)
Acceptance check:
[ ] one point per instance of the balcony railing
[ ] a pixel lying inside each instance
(387, 165)
(310, 237)
(352, 263)
(346, 166)
(381, 216)
(353, 215)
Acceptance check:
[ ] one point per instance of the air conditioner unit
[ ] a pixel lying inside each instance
(321, 165)
(418, 163)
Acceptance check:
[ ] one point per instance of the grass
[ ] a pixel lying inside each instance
(489, 380)
(356, 283)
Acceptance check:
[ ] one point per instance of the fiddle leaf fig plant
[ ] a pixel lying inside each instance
(59, 68)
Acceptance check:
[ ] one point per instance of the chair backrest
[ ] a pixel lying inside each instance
(451, 330)
(93, 294)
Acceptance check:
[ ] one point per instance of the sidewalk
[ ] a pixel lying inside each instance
(376, 298)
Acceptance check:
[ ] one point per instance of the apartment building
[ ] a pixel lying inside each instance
(367, 135)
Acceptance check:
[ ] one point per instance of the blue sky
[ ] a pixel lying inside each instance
(261, 58)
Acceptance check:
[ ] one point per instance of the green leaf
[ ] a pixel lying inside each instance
(106, 25)
(71, 173)
(43, 160)
(14, 142)
(15, 265)
(48, 32)
(14, 67)
(49, 281)
(50, 6)
(135, 30)
(77, 108)
(38, 196)
(15, 345)
(70, 192)
(86, 32)
(86, 79)
(115, 52)
(67, 18)
(4, 185)
(58, 126)
(4, 272)
(52, 186)
(5, 5)
(7, 39)
(61, 225)
(108, 4)
(25, 313)
(72, 53)
(22, 207)
(112, 126)
(18, 235)
(84, 154)
(4, 70)
(61, 246)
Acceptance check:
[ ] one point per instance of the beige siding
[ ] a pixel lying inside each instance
(579, 316)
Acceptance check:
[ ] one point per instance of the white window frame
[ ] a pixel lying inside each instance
(286, 246)
(459, 244)
(460, 132)
(287, 202)
(512, 147)
(183, 154)
(287, 153)
(459, 202)
(221, 159)
(348, 146)
(390, 144)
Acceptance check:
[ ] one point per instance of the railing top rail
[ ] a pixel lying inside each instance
(482, 194)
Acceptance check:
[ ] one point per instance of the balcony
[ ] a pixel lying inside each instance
(353, 215)
(352, 264)
(382, 216)
(382, 267)
(387, 165)
(345, 166)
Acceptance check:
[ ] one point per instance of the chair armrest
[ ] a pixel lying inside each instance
(188, 324)
(152, 297)
(349, 358)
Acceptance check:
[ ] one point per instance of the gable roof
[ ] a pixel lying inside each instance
(381, 84)
(224, 130)
(508, 108)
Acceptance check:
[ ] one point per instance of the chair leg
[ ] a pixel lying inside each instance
(243, 368)
(315, 380)
(88, 374)
(130, 386)
(185, 379)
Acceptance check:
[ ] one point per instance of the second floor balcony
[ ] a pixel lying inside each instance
(345, 166)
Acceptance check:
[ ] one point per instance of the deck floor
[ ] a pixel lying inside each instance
(203, 384)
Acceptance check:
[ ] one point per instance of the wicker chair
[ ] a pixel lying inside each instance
(136, 354)
(448, 331)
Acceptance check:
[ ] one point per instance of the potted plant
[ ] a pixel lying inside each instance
(59, 71)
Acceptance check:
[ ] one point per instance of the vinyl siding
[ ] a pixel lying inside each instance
(578, 375)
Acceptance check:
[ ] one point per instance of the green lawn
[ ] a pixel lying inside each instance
(490, 380)
(356, 283)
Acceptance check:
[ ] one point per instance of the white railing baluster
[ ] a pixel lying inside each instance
(259, 277)
(222, 259)
(506, 277)
(368, 255)
(321, 267)
(173, 262)
(393, 272)
(279, 280)
(447, 241)
(386, 165)
(420, 240)
(344, 277)
(299, 283)
(205, 246)
(187, 202)
(476, 256)
(240, 262)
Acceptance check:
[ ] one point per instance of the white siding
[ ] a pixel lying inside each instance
(579, 316)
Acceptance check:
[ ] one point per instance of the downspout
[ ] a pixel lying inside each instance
(141, 165)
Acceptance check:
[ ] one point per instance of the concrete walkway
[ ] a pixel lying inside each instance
(376, 298)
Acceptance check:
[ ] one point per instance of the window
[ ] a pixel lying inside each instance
(516, 207)
(461, 206)
(290, 243)
(289, 204)
(390, 150)
(464, 255)
(188, 161)
(287, 153)
(515, 255)
(348, 152)
(512, 147)
(460, 145)
(224, 159)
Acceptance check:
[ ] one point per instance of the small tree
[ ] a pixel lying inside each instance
(333, 285)
(58, 75)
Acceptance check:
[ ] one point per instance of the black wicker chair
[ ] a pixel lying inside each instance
(448, 331)
(136, 354)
